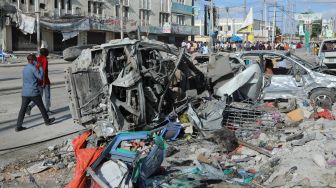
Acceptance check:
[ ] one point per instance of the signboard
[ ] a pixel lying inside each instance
(182, 9)
(301, 32)
(184, 29)
(307, 39)
(166, 28)
(329, 33)
(306, 17)
(327, 28)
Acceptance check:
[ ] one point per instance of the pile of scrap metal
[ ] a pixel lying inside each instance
(131, 85)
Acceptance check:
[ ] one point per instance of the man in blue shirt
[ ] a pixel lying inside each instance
(31, 73)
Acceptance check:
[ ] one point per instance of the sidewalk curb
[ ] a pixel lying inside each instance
(23, 64)
(20, 87)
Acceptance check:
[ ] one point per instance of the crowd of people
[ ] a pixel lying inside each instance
(203, 47)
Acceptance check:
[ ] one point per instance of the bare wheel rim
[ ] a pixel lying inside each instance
(323, 100)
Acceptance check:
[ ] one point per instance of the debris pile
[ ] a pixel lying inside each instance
(53, 166)
(157, 120)
(189, 150)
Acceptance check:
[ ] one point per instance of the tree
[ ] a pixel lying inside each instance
(278, 31)
(316, 29)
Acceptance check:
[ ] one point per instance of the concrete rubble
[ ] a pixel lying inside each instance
(220, 135)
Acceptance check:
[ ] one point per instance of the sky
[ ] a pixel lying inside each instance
(285, 20)
(326, 7)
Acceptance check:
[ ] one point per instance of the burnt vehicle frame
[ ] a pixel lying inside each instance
(127, 84)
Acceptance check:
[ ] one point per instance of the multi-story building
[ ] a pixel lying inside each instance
(67, 23)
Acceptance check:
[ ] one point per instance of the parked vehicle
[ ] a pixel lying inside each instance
(327, 53)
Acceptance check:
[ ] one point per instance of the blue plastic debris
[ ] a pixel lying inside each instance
(123, 154)
(171, 130)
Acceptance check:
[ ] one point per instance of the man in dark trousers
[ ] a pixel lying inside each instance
(31, 73)
(44, 84)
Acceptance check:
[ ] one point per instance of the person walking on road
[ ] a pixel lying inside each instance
(44, 84)
(30, 91)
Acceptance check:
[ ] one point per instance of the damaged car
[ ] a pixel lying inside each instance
(293, 77)
(126, 85)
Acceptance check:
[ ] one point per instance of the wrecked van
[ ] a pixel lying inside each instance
(293, 77)
(126, 84)
(131, 84)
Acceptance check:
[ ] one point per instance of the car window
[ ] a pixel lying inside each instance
(251, 59)
(305, 63)
(279, 65)
(329, 46)
(299, 69)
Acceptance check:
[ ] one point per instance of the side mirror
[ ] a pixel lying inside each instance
(298, 78)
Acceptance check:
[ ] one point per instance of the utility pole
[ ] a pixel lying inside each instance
(273, 27)
(37, 13)
(227, 21)
(121, 19)
(291, 25)
(245, 13)
(233, 26)
(212, 27)
(262, 23)
(265, 19)
(286, 19)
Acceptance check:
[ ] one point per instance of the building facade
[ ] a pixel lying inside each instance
(229, 27)
(65, 23)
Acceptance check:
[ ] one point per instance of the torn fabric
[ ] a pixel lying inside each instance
(27, 24)
(69, 35)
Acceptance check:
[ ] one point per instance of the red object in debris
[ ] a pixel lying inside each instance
(269, 104)
(253, 171)
(326, 114)
(84, 158)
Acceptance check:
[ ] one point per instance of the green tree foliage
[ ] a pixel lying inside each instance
(278, 31)
(316, 28)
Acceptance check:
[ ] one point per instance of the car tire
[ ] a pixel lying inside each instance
(323, 97)
(71, 53)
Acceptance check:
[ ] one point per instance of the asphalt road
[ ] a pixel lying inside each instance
(10, 102)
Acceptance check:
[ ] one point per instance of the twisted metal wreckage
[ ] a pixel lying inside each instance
(133, 85)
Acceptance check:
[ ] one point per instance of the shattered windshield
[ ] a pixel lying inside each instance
(305, 63)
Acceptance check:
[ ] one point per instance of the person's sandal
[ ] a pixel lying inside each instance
(51, 120)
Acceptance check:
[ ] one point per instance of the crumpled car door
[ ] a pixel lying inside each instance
(282, 86)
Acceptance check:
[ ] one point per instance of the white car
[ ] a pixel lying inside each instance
(327, 53)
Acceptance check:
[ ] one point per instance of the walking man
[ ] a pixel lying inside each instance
(30, 91)
(44, 84)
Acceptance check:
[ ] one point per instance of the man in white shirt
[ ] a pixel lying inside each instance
(183, 44)
(205, 49)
